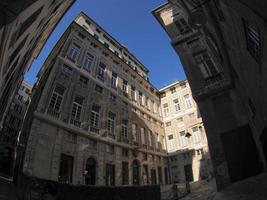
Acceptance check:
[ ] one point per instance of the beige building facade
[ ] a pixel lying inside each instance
(24, 28)
(94, 114)
(186, 140)
(222, 48)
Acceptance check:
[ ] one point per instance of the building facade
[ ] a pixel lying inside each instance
(222, 48)
(24, 28)
(187, 145)
(12, 126)
(94, 114)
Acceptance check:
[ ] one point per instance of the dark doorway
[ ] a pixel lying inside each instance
(110, 175)
(153, 176)
(166, 175)
(6, 161)
(188, 173)
(145, 175)
(65, 169)
(136, 173)
(241, 153)
(160, 175)
(263, 139)
(90, 176)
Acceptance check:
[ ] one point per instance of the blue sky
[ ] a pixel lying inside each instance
(133, 25)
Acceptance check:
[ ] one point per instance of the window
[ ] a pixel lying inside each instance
(173, 90)
(187, 101)
(56, 98)
(72, 138)
(114, 80)
(113, 97)
(196, 134)
(150, 138)
(87, 63)
(253, 37)
(77, 108)
(157, 142)
(176, 105)
(124, 128)
(163, 94)
(83, 80)
(67, 70)
(74, 52)
(110, 148)
(111, 122)
(206, 65)
(134, 132)
(180, 119)
(165, 110)
(29, 21)
(191, 115)
(168, 124)
(140, 98)
(182, 26)
(183, 85)
(98, 89)
(125, 173)
(133, 94)
(101, 71)
(125, 152)
(95, 116)
(143, 137)
(124, 85)
(183, 139)
(171, 142)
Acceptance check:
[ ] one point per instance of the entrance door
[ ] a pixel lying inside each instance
(110, 175)
(188, 173)
(241, 153)
(153, 176)
(160, 175)
(136, 174)
(65, 169)
(90, 176)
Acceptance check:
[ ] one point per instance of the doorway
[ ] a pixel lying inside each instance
(241, 153)
(188, 173)
(136, 173)
(110, 175)
(153, 176)
(90, 176)
(65, 169)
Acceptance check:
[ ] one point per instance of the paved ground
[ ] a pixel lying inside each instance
(202, 191)
(7, 190)
(254, 188)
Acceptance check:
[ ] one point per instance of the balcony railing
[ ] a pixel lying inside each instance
(75, 122)
(213, 84)
(53, 113)
(94, 129)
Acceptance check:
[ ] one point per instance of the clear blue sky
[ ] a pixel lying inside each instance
(132, 24)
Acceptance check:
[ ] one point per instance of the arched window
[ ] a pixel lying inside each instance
(90, 172)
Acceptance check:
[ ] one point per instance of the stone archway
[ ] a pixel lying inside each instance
(90, 175)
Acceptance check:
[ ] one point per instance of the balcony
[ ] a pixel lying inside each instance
(75, 122)
(53, 113)
(94, 129)
(212, 85)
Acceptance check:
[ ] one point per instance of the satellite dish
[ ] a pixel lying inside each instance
(197, 19)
